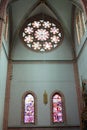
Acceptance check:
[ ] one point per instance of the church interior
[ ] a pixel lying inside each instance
(43, 65)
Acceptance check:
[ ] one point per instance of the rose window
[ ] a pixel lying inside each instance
(41, 33)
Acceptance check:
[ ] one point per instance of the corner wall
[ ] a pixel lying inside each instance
(3, 76)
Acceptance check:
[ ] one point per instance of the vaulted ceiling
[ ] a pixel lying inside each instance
(62, 10)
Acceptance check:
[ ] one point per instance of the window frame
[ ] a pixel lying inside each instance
(80, 25)
(23, 36)
(63, 107)
(23, 107)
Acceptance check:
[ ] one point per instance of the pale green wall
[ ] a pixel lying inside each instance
(21, 7)
(79, 46)
(20, 52)
(42, 76)
(3, 76)
(38, 78)
(82, 64)
(63, 52)
(82, 59)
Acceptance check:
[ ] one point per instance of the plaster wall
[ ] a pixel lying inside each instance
(38, 78)
(63, 52)
(21, 7)
(3, 76)
(81, 52)
(82, 64)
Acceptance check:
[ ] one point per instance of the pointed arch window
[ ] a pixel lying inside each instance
(29, 108)
(6, 27)
(58, 111)
(80, 25)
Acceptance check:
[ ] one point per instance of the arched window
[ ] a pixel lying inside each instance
(29, 108)
(80, 25)
(6, 27)
(57, 103)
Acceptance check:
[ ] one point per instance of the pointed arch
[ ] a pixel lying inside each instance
(29, 112)
(80, 25)
(57, 107)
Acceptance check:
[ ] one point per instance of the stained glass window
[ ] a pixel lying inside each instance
(42, 33)
(57, 108)
(29, 109)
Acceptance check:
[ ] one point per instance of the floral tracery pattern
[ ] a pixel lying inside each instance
(42, 34)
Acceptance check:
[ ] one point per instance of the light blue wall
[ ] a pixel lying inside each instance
(38, 78)
(20, 52)
(3, 76)
(21, 7)
(63, 52)
(42, 76)
(65, 13)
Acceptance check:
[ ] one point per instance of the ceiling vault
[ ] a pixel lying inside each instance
(75, 3)
(35, 5)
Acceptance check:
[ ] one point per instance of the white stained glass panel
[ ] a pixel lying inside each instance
(29, 109)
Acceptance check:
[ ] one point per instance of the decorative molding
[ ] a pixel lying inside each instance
(43, 61)
(43, 127)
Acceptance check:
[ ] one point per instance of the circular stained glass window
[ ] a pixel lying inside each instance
(41, 33)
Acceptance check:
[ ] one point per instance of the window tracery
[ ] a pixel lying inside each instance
(57, 107)
(29, 108)
(41, 33)
(80, 25)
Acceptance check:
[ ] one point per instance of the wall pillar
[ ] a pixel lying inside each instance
(78, 91)
(3, 6)
(7, 96)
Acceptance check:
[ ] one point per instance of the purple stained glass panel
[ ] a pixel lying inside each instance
(29, 109)
(57, 109)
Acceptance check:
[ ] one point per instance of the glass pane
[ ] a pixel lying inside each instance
(29, 109)
(57, 108)
(42, 35)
